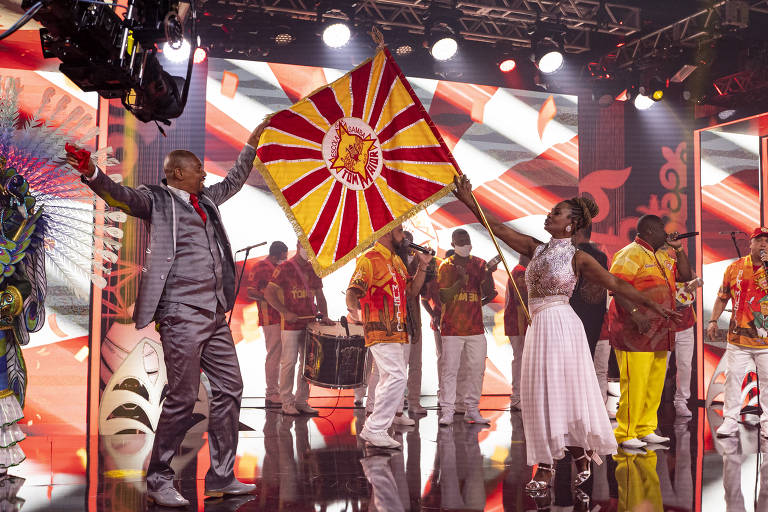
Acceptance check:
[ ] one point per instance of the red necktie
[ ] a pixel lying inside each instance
(196, 206)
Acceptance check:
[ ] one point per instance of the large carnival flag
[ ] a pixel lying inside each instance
(354, 159)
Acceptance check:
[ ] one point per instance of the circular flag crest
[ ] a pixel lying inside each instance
(352, 153)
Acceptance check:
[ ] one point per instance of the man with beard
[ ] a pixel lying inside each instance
(377, 296)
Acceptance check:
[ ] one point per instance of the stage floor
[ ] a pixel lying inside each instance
(318, 464)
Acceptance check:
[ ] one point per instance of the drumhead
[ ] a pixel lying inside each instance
(335, 330)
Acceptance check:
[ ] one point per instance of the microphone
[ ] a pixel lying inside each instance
(762, 255)
(425, 250)
(251, 247)
(731, 233)
(683, 235)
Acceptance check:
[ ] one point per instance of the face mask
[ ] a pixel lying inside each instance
(303, 253)
(463, 250)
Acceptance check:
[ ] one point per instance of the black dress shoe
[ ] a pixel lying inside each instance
(235, 488)
(167, 497)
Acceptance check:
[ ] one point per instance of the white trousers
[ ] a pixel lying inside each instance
(390, 363)
(517, 364)
(600, 359)
(373, 378)
(274, 345)
(740, 361)
(683, 357)
(439, 352)
(293, 348)
(472, 351)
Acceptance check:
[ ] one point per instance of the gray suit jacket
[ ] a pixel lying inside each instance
(155, 205)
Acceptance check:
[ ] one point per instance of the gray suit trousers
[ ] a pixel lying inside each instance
(192, 340)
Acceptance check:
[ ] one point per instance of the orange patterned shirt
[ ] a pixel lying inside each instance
(382, 278)
(463, 315)
(746, 286)
(652, 273)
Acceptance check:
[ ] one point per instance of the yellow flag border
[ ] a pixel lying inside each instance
(365, 243)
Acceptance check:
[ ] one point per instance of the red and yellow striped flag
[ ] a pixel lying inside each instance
(354, 159)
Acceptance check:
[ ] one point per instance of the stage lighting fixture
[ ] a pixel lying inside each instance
(116, 54)
(177, 54)
(643, 102)
(444, 48)
(200, 55)
(403, 49)
(336, 35)
(547, 41)
(283, 38)
(441, 29)
(336, 19)
(507, 65)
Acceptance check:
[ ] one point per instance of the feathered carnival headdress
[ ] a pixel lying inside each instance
(45, 209)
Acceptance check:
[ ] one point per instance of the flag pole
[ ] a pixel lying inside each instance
(501, 255)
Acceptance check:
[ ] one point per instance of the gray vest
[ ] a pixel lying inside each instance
(196, 276)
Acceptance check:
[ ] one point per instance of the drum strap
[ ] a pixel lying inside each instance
(305, 284)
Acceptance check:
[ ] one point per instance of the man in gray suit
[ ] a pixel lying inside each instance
(187, 285)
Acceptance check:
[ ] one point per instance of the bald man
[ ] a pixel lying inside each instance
(187, 285)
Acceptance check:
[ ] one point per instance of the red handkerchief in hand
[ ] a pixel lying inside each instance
(81, 155)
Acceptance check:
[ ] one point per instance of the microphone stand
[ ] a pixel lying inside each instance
(237, 288)
(733, 238)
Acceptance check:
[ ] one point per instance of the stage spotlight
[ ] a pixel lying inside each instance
(507, 65)
(403, 49)
(441, 29)
(657, 94)
(643, 102)
(200, 55)
(444, 48)
(547, 41)
(180, 54)
(336, 35)
(550, 62)
(283, 38)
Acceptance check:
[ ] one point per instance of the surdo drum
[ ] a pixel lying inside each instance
(331, 358)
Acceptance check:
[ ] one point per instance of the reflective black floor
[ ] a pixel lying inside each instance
(318, 464)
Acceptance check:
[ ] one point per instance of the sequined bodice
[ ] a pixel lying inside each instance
(550, 271)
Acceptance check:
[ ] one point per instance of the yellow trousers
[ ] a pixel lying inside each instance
(638, 482)
(642, 381)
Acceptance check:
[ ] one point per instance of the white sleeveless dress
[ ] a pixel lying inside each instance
(560, 397)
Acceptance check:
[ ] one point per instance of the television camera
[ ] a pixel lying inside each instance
(115, 52)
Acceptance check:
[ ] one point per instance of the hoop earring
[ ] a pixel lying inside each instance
(567, 229)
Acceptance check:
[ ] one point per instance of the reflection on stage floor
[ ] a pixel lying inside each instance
(319, 464)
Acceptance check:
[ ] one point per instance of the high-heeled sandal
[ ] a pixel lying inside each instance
(538, 486)
(583, 476)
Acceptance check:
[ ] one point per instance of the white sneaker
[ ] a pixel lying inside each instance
(290, 410)
(633, 444)
(474, 417)
(446, 418)
(682, 410)
(378, 439)
(728, 428)
(403, 420)
(305, 409)
(654, 439)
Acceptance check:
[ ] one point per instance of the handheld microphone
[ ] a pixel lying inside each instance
(251, 247)
(683, 235)
(762, 255)
(421, 249)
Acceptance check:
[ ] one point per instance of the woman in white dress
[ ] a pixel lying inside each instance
(561, 403)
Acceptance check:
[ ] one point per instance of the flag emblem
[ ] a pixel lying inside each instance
(352, 160)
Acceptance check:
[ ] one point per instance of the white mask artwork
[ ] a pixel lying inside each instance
(463, 250)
